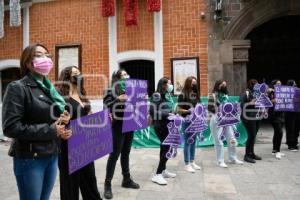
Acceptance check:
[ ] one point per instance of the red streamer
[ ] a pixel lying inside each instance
(131, 12)
(154, 5)
(108, 8)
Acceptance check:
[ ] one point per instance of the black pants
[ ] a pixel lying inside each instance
(162, 132)
(121, 145)
(278, 133)
(292, 126)
(252, 127)
(83, 179)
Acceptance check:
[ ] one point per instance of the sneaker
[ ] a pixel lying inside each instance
(255, 157)
(107, 191)
(278, 155)
(167, 174)
(274, 153)
(222, 164)
(236, 161)
(189, 168)
(159, 179)
(195, 166)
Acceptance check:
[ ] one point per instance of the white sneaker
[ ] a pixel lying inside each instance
(222, 164)
(282, 154)
(159, 179)
(189, 168)
(236, 161)
(278, 155)
(195, 166)
(167, 174)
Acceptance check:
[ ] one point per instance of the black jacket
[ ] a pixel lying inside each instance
(115, 106)
(28, 116)
(248, 110)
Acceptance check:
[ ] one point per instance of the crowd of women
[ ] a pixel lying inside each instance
(36, 115)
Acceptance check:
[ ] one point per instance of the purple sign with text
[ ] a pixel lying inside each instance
(136, 107)
(197, 125)
(287, 98)
(91, 139)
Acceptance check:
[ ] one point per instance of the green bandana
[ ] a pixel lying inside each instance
(170, 101)
(49, 89)
(223, 98)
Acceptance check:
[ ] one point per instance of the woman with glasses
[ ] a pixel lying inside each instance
(34, 116)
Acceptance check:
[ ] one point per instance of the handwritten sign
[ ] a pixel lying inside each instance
(136, 107)
(287, 98)
(91, 139)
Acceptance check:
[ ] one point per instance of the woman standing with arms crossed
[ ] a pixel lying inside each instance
(72, 89)
(115, 99)
(163, 106)
(30, 110)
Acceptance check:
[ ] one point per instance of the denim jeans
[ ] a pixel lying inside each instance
(229, 134)
(35, 177)
(188, 149)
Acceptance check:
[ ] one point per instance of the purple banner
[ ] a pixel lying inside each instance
(136, 108)
(91, 139)
(287, 98)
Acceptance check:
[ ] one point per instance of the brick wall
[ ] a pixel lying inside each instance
(139, 37)
(12, 43)
(185, 35)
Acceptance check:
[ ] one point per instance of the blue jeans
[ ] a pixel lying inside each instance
(188, 149)
(35, 177)
(219, 145)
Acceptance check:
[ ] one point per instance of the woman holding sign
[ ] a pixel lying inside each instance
(71, 87)
(187, 101)
(115, 99)
(218, 97)
(29, 113)
(277, 120)
(162, 108)
(251, 118)
(292, 125)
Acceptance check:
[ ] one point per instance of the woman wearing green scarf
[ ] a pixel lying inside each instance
(220, 96)
(33, 115)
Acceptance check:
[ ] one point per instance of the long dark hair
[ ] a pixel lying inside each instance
(251, 83)
(27, 58)
(217, 85)
(161, 82)
(116, 76)
(64, 86)
(188, 90)
(291, 82)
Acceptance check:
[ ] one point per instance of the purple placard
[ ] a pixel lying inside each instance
(136, 107)
(173, 139)
(262, 99)
(198, 124)
(228, 114)
(91, 139)
(287, 98)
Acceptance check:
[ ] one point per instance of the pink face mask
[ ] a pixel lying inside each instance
(42, 66)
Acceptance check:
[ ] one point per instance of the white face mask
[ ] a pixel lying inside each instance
(126, 77)
(170, 88)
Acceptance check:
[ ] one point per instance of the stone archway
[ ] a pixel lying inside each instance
(234, 47)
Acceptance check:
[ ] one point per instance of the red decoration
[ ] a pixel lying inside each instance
(154, 5)
(108, 8)
(131, 12)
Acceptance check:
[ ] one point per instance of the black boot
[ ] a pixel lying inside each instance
(248, 159)
(107, 190)
(255, 157)
(129, 183)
